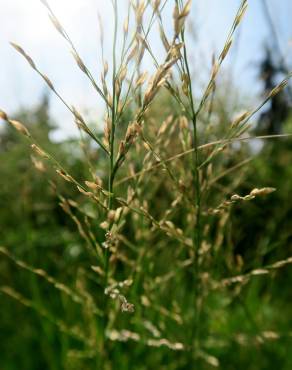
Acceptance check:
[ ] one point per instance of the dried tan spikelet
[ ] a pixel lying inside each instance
(105, 68)
(186, 9)
(79, 119)
(225, 50)
(57, 24)
(278, 88)
(20, 127)
(215, 70)
(3, 115)
(165, 342)
(98, 270)
(107, 131)
(79, 61)
(185, 83)
(87, 193)
(241, 13)
(123, 336)
(92, 185)
(179, 17)
(183, 123)
(254, 193)
(157, 81)
(39, 151)
(118, 213)
(156, 4)
(176, 20)
(104, 225)
(140, 9)
(163, 38)
(126, 26)
(133, 52)
(240, 118)
(104, 85)
(48, 81)
(127, 307)
(262, 191)
(141, 79)
(23, 53)
(65, 176)
(39, 165)
(123, 73)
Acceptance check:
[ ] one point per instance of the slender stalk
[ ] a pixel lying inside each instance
(197, 235)
(111, 165)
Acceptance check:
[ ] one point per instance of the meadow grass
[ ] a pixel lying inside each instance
(161, 277)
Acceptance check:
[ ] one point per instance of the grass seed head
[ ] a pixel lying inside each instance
(3, 115)
(20, 127)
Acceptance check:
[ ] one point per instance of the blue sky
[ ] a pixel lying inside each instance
(26, 23)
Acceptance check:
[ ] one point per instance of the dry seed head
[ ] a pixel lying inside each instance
(241, 117)
(186, 9)
(110, 100)
(186, 83)
(39, 151)
(174, 52)
(48, 82)
(79, 61)
(127, 307)
(111, 215)
(92, 185)
(210, 170)
(157, 81)
(72, 203)
(141, 79)
(226, 50)
(164, 38)
(156, 4)
(176, 20)
(3, 115)
(140, 9)
(183, 122)
(57, 24)
(278, 88)
(144, 46)
(179, 18)
(118, 213)
(65, 176)
(122, 149)
(104, 86)
(38, 164)
(20, 127)
(123, 73)
(126, 26)
(98, 270)
(77, 115)
(146, 146)
(118, 87)
(133, 52)
(132, 130)
(241, 13)
(215, 69)
(105, 68)
(262, 191)
(104, 225)
(82, 191)
(121, 105)
(23, 53)
(107, 130)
